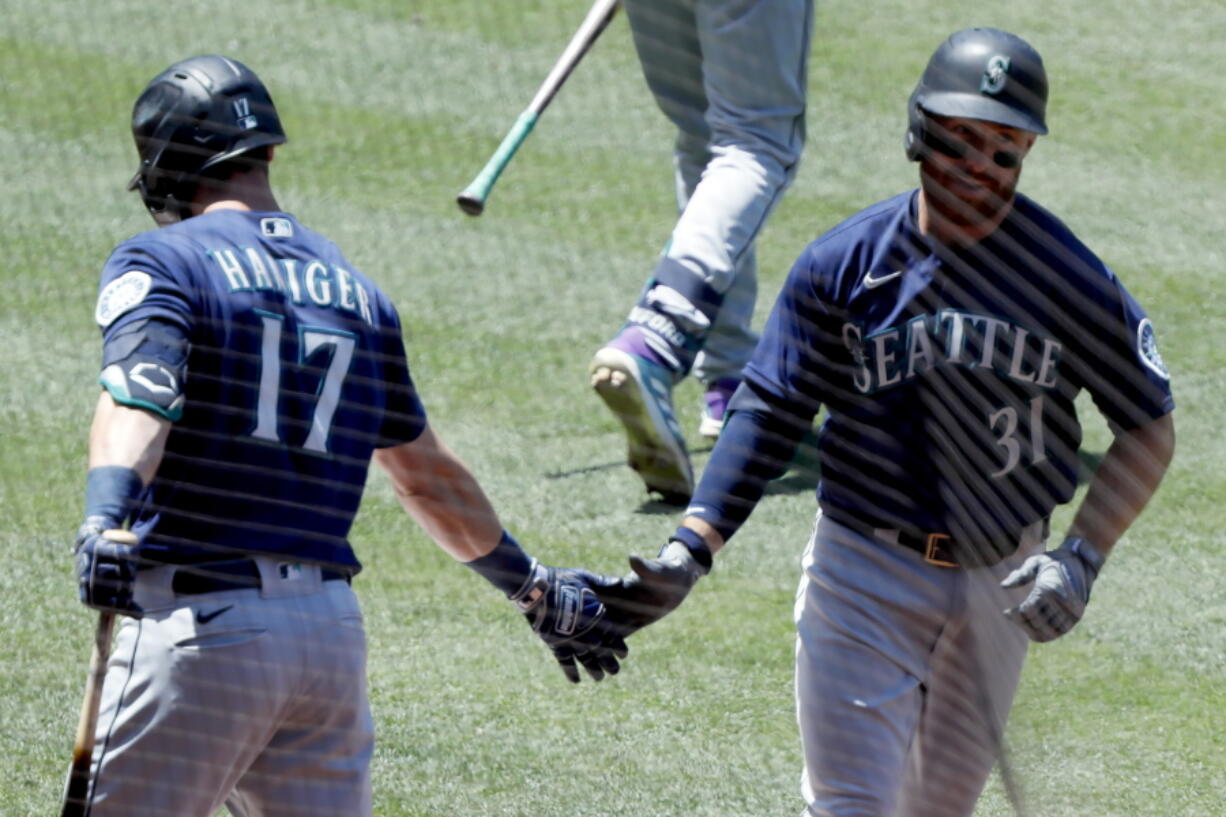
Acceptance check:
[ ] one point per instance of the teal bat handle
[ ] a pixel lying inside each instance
(472, 200)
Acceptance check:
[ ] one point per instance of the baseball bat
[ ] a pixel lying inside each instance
(76, 790)
(472, 198)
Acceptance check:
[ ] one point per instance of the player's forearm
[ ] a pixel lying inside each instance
(1124, 482)
(443, 497)
(127, 437)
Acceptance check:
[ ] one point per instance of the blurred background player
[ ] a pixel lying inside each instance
(948, 331)
(731, 75)
(250, 373)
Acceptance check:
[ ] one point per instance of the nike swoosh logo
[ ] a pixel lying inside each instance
(872, 283)
(204, 618)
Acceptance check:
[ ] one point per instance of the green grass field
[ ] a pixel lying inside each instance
(391, 107)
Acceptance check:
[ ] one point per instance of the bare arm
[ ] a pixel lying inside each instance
(442, 495)
(561, 604)
(127, 437)
(1124, 482)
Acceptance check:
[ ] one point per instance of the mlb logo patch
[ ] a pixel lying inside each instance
(277, 227)
(289, 571)
(242, 114)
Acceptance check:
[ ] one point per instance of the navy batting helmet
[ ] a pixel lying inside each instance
(978, 73)
(193, 116)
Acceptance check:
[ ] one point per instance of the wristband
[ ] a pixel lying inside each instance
(696, 545)
(507, 566)
(111, 492)
(1086, 551)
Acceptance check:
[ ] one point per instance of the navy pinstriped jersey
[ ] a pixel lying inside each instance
(296, 373)
(950, 376)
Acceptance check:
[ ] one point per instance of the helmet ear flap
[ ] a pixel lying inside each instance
(913, 142)
(924, 135)
(164, 198)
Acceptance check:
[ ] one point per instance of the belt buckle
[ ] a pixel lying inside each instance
(933, 548)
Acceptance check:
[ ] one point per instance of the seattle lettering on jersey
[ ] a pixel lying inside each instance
(895, 355)
(313, 281)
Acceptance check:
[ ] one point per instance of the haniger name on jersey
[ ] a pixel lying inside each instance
(249, 269)
(892, 356)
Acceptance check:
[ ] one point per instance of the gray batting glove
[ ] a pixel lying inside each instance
(655, 587)
(1062, 580)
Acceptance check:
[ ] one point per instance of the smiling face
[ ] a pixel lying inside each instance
(969, 181)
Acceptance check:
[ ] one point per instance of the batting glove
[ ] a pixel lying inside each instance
(562, 608)
(1062, 580)
(106, 570)
(656, 587)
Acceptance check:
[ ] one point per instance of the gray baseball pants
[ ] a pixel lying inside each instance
(731, 75)
(255, 698)
(905, 673)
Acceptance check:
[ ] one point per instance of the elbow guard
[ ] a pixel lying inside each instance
(144, 365)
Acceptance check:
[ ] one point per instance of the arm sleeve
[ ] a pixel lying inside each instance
(756, 446)
(782, 391)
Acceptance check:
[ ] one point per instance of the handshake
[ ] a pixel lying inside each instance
(585, 618)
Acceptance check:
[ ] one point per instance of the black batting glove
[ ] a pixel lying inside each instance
(656, 587)
(106, 570)
(563, 608)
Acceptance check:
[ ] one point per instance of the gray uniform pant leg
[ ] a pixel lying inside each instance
(905, 673)
(263, 707)
(731, 75)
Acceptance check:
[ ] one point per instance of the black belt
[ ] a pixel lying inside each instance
(939, 549)
(238, 574)
(936, 548)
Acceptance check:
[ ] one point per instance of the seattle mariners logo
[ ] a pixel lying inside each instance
(122, 294)
(995, 75)
(1147, 349)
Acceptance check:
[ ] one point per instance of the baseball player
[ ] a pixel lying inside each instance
(947, 331)
(731, 75)
(250, 373)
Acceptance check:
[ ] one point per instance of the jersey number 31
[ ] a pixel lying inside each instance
(1007, 420)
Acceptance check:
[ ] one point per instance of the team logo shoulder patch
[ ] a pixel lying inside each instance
(122, 294)
(1147, 349)
(995, 75)
(277, 227)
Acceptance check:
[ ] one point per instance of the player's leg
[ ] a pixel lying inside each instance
(317, 757)
(754, 64)
(730, 341)
(866, 615)
(755, 59)
(636, 371)
(976, 666)
(187, 704)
